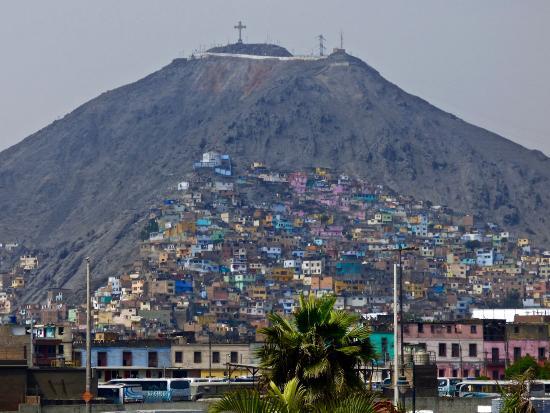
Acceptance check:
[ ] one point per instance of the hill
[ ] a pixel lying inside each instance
(81, 185)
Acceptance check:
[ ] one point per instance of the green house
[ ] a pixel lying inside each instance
(382, 342)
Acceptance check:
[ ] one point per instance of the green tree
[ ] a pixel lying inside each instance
(521, 366)
(528, 363)
(152, 226)
(293, 399)
(290, 400)
(319, 346)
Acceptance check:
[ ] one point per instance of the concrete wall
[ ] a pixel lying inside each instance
(448, 405)
(439, 405)
(13, 386)
(187, 407)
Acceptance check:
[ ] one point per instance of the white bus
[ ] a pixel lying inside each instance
(446, 386)
(214, 389)
(493, 388)
(120, 393)
(160, 390)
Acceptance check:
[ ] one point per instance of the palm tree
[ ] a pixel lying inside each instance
(290, 400)
(516, 398)
(320, 346)
(293, 400)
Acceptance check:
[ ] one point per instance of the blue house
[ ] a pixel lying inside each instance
(183, 287)
(121, 359)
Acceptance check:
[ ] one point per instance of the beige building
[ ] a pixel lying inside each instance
(26, 262)
(199, 358)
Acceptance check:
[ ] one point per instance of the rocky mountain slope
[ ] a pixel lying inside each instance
(79, 186)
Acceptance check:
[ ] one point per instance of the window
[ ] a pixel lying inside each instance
(432, 328)
(60, 350)
(384, 344)
(517, 353)
(61, 330)
(152, 359)
(516, 329)
(472, 350)
(449, 329)
(179, 384)
(495, 354)
(441, 372)
(542, 353)
(77, 358)
(473, 329)
(477, 373)
(197, 357)
(420, 327)
(495, 374)
(215, 357)
(101, 358)
(442, 350)
(179, 356)
(455, 372)
(455, 350)
(234, 357)
(126, 358)
(465, 373)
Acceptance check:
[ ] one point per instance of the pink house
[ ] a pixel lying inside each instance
(529, 336)
(457, 346)
(494, 348)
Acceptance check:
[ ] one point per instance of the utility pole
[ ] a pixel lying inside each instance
(88, 341)
(31, 349)
(401, 324)
(209, 353)
(321, 45)
(395, 338)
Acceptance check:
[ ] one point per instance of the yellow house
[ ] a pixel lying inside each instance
(282, 274)
(321, 171)
(339, 286)
(258, 292)
(163, 257)
(104, 317)
(416, 290)
(18, 282)
(457, 270)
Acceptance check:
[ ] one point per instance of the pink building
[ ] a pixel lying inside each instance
(529, 336)
(494, 348)
(482, 347)
(457, 346)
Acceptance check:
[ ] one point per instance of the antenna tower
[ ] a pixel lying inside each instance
(321, 45)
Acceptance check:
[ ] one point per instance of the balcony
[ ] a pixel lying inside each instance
(495, 362)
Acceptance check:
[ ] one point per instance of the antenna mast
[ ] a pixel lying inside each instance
(321, 45)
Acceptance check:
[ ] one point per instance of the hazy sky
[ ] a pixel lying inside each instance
(486, 61)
